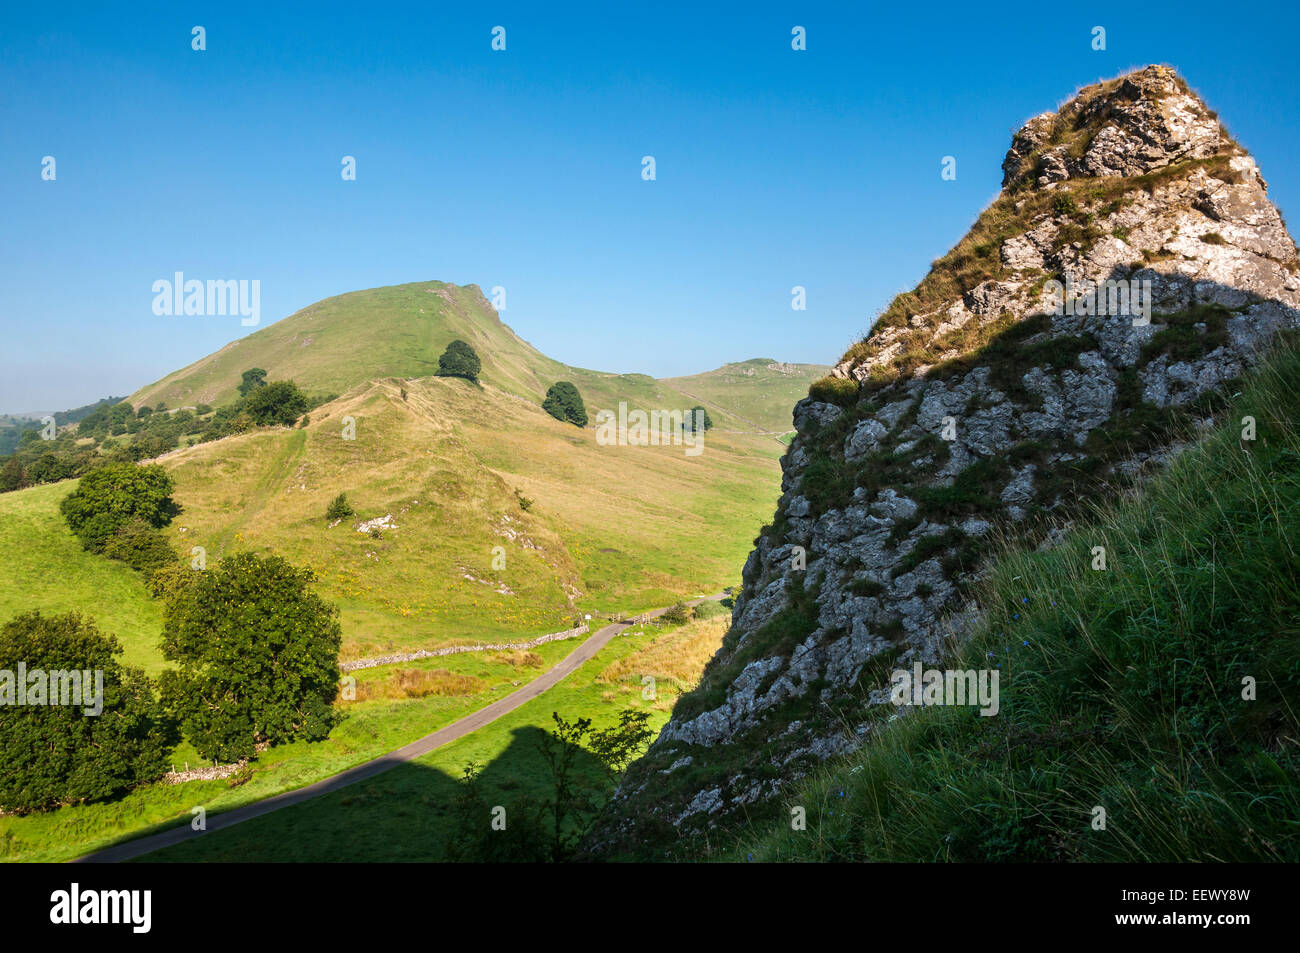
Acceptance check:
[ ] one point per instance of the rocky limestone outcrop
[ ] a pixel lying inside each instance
(1000, 392)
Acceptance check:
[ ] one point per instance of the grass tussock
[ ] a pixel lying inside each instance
(419, 683)
(675, 660)
(1162, 689)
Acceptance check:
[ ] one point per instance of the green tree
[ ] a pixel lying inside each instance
(58, 753)
(689, 423)
(280, 402)
(12, 476)
(252, 379)
(257, 654)
(577, 797)
(339, 508)
(140, 546)
(459, 360)
(563, 402)
(112, 495)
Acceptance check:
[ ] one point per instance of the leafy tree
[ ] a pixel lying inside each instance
(252, 379)
(203, 409)
(144, 411)
(339, 508)
(676, 614)
(280, 402)
(257, 652)
(459, 360)
(140, 546)
(113, 495)
(576, 797)
(563, 402)
(57, 753)
(12, 476)
(689, 423)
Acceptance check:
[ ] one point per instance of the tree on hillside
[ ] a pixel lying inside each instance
(339, 508)
(280, 402)
(257, 652)
(12, 476)
(252, 379)
(689, 423)
(563, 402)
(459, 360)
(59, 753)
(114, 494)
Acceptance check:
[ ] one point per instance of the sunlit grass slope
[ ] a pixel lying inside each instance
(760, 391)
(42, 566)
(400, 331)
(605, 528)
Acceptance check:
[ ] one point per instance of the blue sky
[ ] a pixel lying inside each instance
(522, 168)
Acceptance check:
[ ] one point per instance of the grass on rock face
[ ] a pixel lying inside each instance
(1120, 689)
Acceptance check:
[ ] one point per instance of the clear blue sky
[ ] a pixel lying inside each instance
(523, 168)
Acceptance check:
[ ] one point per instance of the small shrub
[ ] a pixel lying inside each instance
(339, 508)
(676, 615)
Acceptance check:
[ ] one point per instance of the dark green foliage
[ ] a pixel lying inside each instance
(252, 379)
(676, 614)
(688, 424)
(459, 360)
(258, 657)
(115, 494)
(866, 587)
(1182, 339)
(576, 797)
(57, 754)
(280, 402)
(563, 402)
(12, 475)
(140, 546)
(339, 508)
(708, 609)
(525, 838)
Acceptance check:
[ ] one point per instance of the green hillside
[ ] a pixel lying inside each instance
(400, 331)
(760, 392)
(599, 528)
(44, 567)
(1163, 689)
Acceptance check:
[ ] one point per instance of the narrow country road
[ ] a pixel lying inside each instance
(457, 729)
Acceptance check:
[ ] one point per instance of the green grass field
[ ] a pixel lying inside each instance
(607, 528)
(403, 815)
(44, 567)
(372, 728)
(761, 392)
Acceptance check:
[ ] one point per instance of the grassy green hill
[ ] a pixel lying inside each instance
(760, 391)
(1124, 689)
(461, 474)
(44, 567)
(605, 529)
(400, 331)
